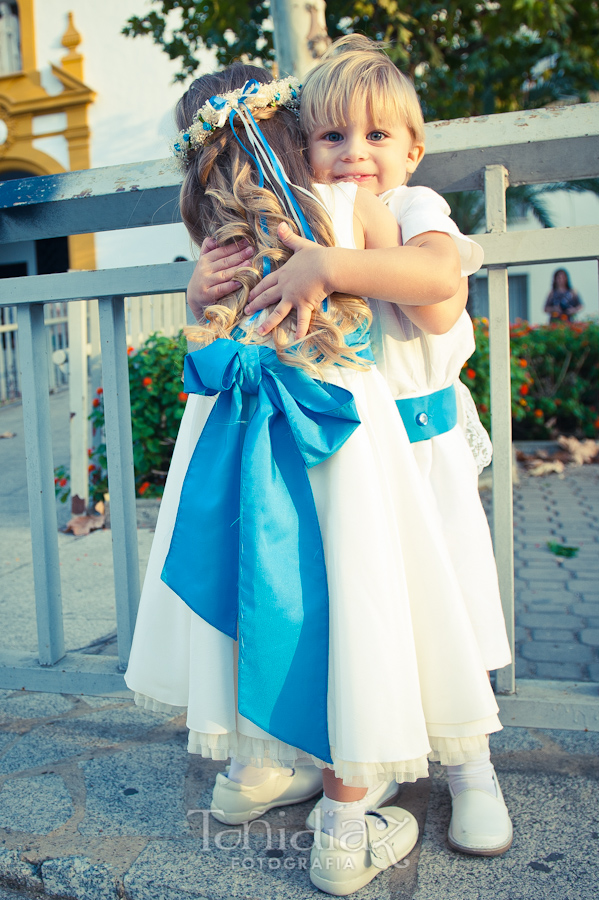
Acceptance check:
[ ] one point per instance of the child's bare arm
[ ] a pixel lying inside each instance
(440, 317)
(424, 272)
(212, 277)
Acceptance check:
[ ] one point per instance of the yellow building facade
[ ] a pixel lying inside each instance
(24, 103)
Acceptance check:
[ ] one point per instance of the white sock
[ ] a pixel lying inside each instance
(344, 821)
(476, 774)
(252, 776)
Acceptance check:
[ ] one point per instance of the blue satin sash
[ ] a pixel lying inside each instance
(246, 552)
(425, 417)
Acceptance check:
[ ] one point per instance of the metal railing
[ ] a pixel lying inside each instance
(485, 153)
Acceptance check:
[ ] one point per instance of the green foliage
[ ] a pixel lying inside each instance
(157, 405)
(554, 369)
(467, 57)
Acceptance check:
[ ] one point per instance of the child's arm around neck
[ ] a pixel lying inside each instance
(425, 271)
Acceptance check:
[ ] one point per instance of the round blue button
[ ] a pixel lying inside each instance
(422, 419)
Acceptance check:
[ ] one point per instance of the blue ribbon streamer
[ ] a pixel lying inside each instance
(246, 552)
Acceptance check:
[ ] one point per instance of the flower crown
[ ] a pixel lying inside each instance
(215, 112)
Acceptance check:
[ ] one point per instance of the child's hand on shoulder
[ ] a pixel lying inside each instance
(300, 284)
(212, 277)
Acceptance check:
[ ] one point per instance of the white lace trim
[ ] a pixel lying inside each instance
(153, 705)
(476, 435)
(271, 753)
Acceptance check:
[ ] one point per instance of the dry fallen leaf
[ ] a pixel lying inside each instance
(545, 467)
(8, 434)
(81, 525)
(581, 452)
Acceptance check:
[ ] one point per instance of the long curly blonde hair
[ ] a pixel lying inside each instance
(221, 197)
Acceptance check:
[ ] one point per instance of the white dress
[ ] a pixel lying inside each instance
(406, 677)
(415, 363)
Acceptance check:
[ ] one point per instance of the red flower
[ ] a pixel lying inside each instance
(523, 363)
(95, 402)
(63, 482)
(130, 350)
(470, 373)
(91, 468)
(90, 451)
(182, 396)
(483, 407)
(147, 381)
(596, 423)
(524, 389)
(538, 413)
(143, 488)
(100, 391)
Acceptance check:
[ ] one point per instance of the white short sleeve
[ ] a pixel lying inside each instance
(419, 209)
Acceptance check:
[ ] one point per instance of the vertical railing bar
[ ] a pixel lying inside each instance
(35, 387)
(496, 181)
(121, 476)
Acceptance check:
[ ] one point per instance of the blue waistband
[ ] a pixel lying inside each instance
(425, 417)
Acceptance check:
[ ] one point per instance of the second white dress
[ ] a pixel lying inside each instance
(406, 677)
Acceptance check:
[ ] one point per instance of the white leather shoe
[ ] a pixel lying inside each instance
(378, 797)
(480, 824)
(336, 869)
(235, 804)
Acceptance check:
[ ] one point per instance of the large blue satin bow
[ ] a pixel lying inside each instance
(246, 552)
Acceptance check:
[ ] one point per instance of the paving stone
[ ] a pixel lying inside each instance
(549, 608)
(78, 877)
(166, 870)
(30, 705)
(593, 621)
(520, 634)
(556, 597)
(36, 805)
(15, 872)
(553, 634)
(556, 651)
(139, 791)
(590, 636)
(553, 857)
(594, 671)
(549, 620)
(50, 743)
(512, 740)
(584, 609)
(543, 585)
(585, 742)
(560, 671)
(535, 576)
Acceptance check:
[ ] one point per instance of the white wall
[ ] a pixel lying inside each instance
(566, 209)
(131, 119)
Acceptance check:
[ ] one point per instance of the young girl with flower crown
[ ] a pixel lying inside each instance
(363, 124)
(299, 600)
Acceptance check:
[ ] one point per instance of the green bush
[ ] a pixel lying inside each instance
(555, 371)
(157, 405)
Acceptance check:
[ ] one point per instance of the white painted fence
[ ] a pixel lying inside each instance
(485, 153)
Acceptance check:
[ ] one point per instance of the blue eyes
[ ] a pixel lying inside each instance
(335, 137)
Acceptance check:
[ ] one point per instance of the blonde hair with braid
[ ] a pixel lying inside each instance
(221, 198)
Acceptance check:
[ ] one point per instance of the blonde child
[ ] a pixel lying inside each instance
(356, 655)
(363, 124)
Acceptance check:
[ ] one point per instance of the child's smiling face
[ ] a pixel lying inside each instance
(375, 157)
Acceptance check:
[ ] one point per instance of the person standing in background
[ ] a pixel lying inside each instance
(563, 301)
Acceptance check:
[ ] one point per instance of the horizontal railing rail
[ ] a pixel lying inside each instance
(486, 153)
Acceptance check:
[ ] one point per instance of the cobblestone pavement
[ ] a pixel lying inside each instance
(557, 599)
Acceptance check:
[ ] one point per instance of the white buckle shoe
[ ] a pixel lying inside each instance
(336, 869)
(480, 824)
(378, 797)
(234, 804)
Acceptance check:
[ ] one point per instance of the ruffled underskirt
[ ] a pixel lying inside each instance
(252, 751)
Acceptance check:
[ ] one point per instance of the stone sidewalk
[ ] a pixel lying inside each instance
(557, 599)
(99, 800)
